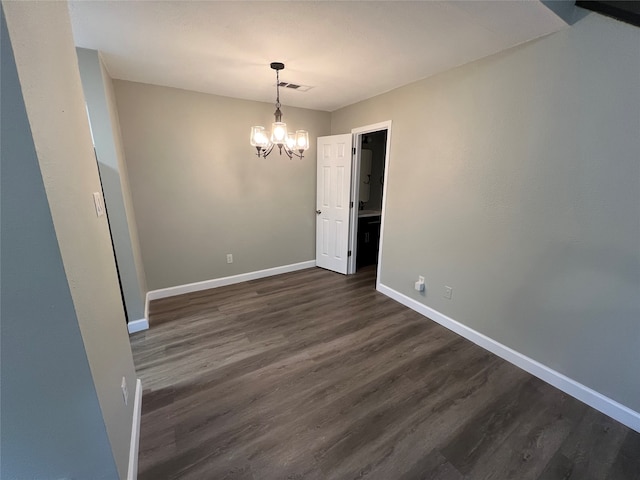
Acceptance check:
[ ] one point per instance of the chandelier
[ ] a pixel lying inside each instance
(293, 144)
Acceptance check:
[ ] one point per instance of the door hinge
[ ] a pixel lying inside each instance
(354, 150)
(349, 253)
(351, 205)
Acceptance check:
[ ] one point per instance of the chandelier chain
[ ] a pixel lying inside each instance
(277, 89)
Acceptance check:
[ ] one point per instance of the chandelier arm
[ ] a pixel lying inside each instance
(288, 152)
(266, 152)
(292, 153)
(270, 149)
(282, 146)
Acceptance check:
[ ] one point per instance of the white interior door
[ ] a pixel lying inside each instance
(332, 204)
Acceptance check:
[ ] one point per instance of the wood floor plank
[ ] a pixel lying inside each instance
(433, 466)
(542, 427)
(627, 462)
(315, 375)
(590, 450)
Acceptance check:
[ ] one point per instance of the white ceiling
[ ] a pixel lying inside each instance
(348, 51)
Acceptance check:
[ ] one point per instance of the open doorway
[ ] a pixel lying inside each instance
(371, 146)
(371, 180)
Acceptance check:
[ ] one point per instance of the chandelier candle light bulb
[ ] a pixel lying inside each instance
(278, 132)
(291, 141)
(302, 140)
(292, 144)
(259, 137)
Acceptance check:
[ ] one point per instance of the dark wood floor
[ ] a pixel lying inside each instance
(314, 375)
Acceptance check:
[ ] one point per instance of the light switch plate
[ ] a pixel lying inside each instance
(125, 391)
(97, 201)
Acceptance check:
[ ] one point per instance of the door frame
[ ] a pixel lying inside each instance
(355, 191)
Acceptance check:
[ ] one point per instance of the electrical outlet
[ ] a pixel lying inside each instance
(125, 391)
(419, 285)
(448, 292)
(229, 258)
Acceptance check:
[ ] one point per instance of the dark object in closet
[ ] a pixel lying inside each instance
(368, 241)
(625, 11)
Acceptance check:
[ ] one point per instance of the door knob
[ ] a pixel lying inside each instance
(318, 212)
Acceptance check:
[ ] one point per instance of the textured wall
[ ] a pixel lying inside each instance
(98, 92)
(515, 180)
(199, 191)
(50, 81)
(45, 433)
(124, 178)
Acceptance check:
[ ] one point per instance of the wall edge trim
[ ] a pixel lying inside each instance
(132, 474)
(600, 402)
(224, 281)
(138, 325)
(146, 305)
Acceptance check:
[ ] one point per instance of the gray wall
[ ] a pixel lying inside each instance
(98, 93)
(199, 191)
(50, 82)
(52, 426)
(522, 194)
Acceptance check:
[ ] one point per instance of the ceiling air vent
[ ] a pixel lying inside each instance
(295, 86)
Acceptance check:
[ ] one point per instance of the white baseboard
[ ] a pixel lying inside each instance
(224, 281)
(138, 325)
(135, 433)
(604, 404)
